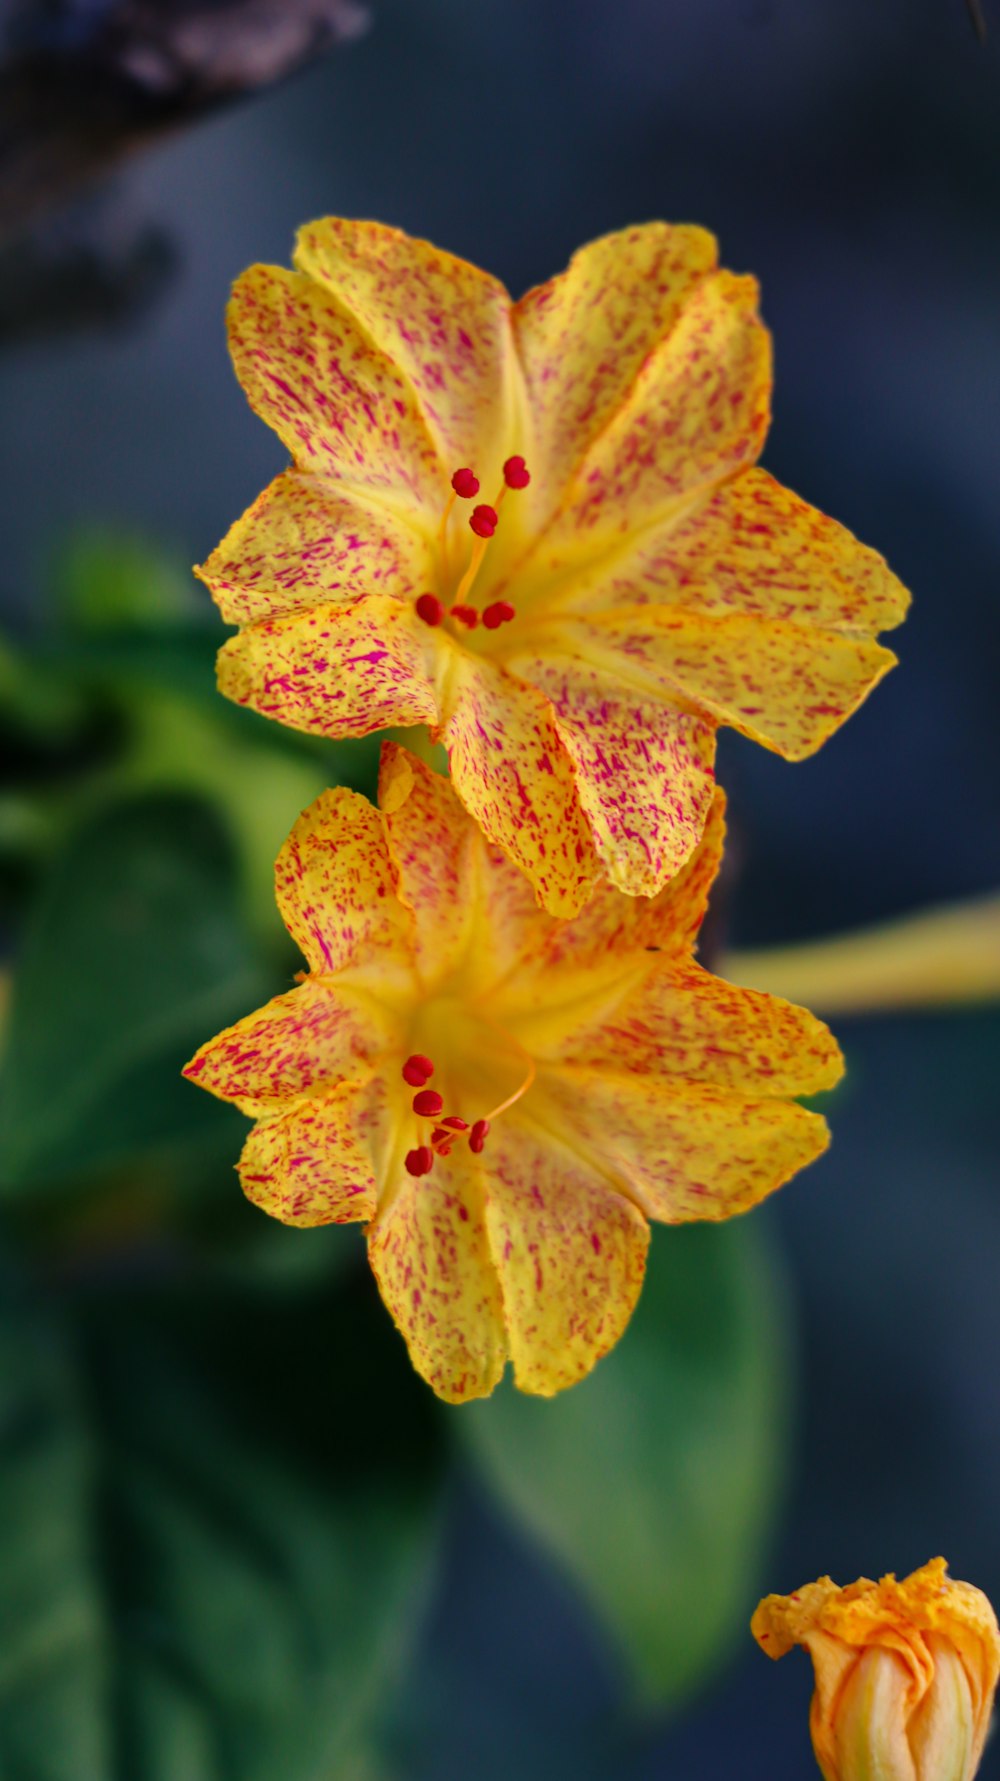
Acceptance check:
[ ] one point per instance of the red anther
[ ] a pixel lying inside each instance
(500, 613)
(466, 615)
(455, 1124)
(417, 1070)
(516, 474)
(483, 520)
(428, 1103)
(431, 609)
(419, 1161)
(478, 1134)
(466, 484)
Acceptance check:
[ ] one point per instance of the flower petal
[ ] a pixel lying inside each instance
(686, 1150)
(696, 413)
(305, 543)
(333, 397)
(333, 882)
(474, 910)
(431, 844)
(311, 1165)
(570, 1252)
(583, 337)
(511, 771)
(335, 670)
(613, 925)
(299, 1044)
(785, 685)
(442, 322)
(430, 1256)
(644, 768)
(678, 1020)
(751, 547)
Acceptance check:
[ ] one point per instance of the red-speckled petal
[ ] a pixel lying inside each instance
(644, 769)
(570, 1252)
(312, 1165)
(678, 1020)
(299, 1044)
(751, 547)
(512, 772)
(697, 412)
(584, 337)
(333, 397)
(336, 670)
(615, 926)
(304, 543)
(443, 323)
(430, 1256)
(785, 685)
(432, 843)
(333, 883)
(687, 1150)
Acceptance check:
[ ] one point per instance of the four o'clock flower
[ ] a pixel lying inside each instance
(505, 1098)
(537, 528)
(905, 1673)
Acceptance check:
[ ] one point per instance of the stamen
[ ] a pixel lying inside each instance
(478, 553)
(516, 474)
(516, 1096)
(466, 615)
(419, 1161)
(417, 1070)
(500, 613)
(431, 609)
(428, 1103)
(484, 520)
(464, 485)
(455, 1124)
(477, 1136)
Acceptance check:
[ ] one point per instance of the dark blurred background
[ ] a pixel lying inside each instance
(848, 153)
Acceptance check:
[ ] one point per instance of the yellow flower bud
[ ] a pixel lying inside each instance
(905, 1673)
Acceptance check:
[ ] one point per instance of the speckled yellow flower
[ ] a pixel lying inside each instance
(536, 528)
(506, 1098)
(905, 1673)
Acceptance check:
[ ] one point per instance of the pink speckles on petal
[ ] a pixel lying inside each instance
(333, 396)
(430, 1256)
(513, 774)
(570, 1253)
(338, 671)
(333, 882)
(305, 543)
(443, 323)
(644, 767)
(311, 1165)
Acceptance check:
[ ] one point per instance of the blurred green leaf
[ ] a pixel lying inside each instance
(105, 577)
(133, 957)
(654, 1482)
(217, 1528)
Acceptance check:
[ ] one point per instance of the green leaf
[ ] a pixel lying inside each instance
(654, 1482)
(133, 958)
(217, 1529)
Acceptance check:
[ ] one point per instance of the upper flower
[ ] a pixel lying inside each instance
(905, 1673)
(577, 646)
(507, 1098)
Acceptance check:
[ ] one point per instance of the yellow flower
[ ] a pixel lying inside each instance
(905, 1673)
(504, 1097)
(536, 528)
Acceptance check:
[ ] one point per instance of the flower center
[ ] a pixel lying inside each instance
(437, 1130)
(483, 522)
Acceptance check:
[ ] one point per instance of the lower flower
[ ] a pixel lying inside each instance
(505, 1098)
(905, 1673)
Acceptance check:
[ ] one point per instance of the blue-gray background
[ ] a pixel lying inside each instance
(847, 152)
